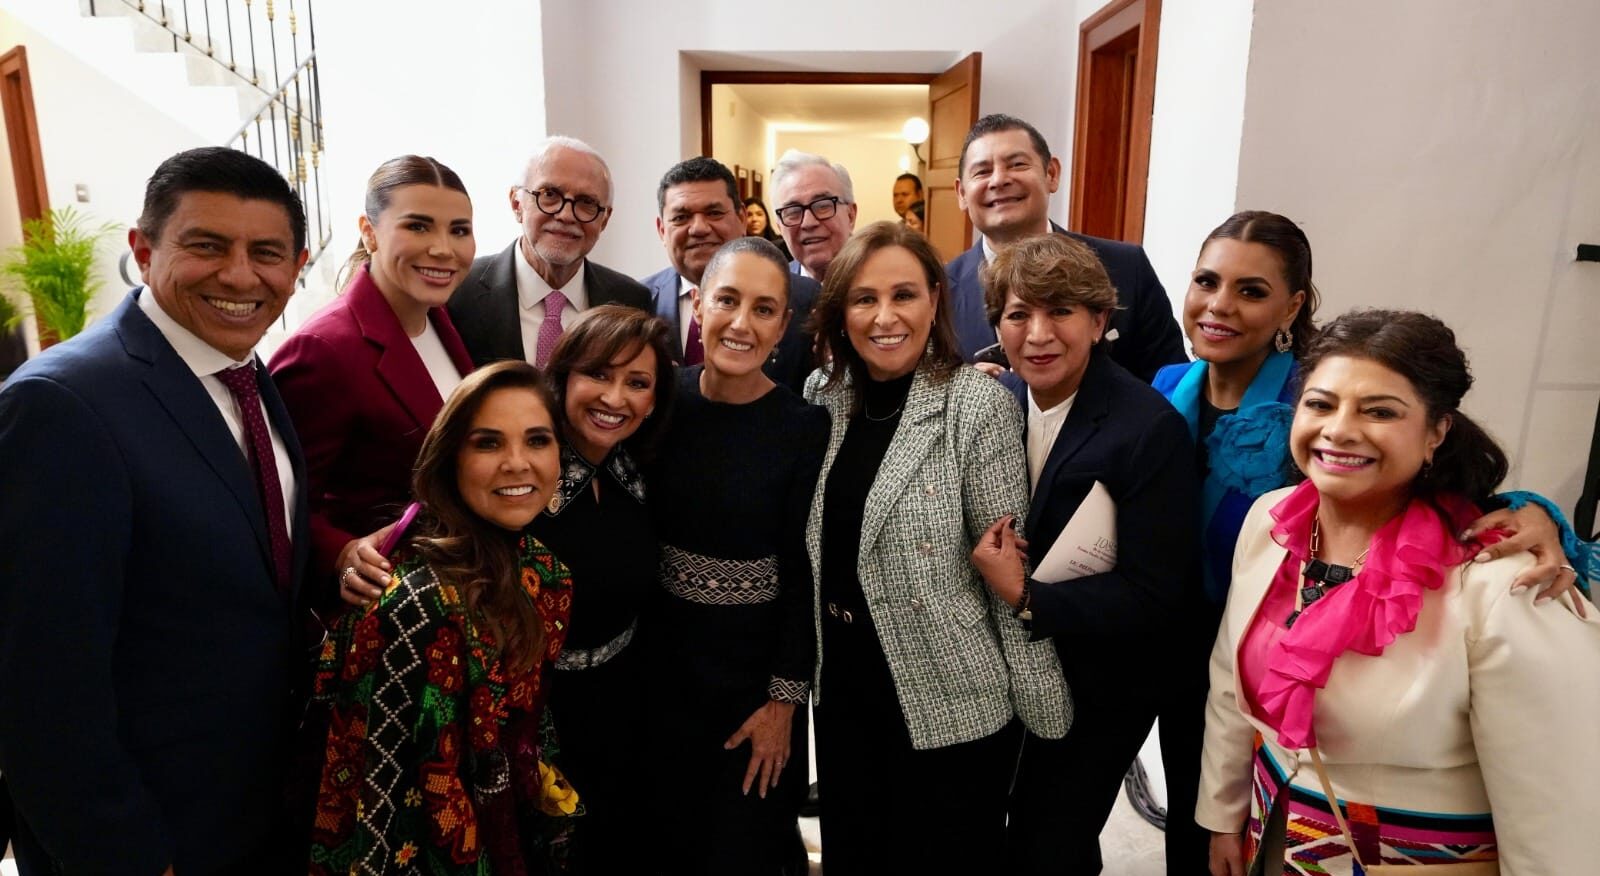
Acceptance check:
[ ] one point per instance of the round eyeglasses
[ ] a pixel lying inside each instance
(822, 208)
(551, 202)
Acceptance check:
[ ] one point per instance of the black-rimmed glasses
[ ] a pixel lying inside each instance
(551, 202)
(822, 208)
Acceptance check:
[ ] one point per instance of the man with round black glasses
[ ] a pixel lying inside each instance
(563, 202)
(816, 210)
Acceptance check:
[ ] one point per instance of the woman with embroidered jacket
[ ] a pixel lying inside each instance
(921, 674)
(613, 381)
(728, 634)
(1368, 657)
(433, 758)
(1248, 314)
(365, 376)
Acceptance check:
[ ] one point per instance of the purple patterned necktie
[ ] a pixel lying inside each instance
(550, 329)
(694, 352)
(241, 382)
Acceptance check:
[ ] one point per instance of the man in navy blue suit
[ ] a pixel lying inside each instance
(1006, 177)
(699, 204)
(154, 527)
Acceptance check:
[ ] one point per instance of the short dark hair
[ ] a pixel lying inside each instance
(828, 314)
(915, 180)
(1279, 234)
(995, 123)
(1046, 270)
(1423, 350)
(602, 335)
(697, 169)
(756, 246)
(217, 169)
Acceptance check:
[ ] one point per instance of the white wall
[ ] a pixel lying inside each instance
(1195, 131)
(1446, 157)
(739, 134)
(873, 163)
(638, 100)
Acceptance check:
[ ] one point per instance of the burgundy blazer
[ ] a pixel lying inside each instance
(361, 401)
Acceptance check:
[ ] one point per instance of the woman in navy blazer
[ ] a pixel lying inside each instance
(1088, 421)
(364, 378)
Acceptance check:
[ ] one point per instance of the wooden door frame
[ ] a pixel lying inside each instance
(22, 139)
(709, 78)
(1144, 100)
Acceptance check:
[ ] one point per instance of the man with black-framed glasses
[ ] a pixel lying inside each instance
(816, 210)
(515, 304)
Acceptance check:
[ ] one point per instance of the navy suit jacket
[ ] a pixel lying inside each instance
(1125, 435)
(362, 401)
(791, 361)
(1147, 335)
(484, 309)
(145, 653)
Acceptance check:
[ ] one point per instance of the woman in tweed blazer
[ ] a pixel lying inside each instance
(920, 674)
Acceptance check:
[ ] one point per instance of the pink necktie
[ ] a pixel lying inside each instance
(550, 329)
(694, 352)
(241, 382)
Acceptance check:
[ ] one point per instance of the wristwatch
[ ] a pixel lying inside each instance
(1024, 609)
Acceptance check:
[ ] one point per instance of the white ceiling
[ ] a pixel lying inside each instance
(862, 110)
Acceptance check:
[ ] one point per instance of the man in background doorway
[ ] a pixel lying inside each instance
(907, 191)
(563, 202)
(816, 210)
(699, 204)
(1004, 183)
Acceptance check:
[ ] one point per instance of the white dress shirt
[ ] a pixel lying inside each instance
(988, 248)
(531, 292)
(1044, 426)
(437, 360)
(685, 311)
(206, 362)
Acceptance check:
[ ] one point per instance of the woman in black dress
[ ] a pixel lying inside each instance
(729, 635)
(612, 377)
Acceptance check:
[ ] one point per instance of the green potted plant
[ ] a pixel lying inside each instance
(53, 268)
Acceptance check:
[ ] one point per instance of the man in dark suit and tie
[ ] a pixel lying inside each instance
(699, 203)
(1006, 177)
(563, 203)
(154, 526)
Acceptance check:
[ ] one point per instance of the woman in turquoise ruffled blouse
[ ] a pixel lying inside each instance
(1248, 314)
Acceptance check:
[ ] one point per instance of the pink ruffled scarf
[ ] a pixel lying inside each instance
(1412, 552)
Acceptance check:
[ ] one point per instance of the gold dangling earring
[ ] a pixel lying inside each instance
(1283, 340)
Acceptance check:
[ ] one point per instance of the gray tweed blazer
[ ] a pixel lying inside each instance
(961, 662)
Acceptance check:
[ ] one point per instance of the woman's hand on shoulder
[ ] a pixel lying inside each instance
(1530, 529)
(768, 731)
(363, 571)
(999, 559)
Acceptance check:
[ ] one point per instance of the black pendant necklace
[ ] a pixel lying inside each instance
(1320, 575)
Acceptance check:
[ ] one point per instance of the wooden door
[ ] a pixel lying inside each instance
(953, 108)
(1116, 98)
(27, 160)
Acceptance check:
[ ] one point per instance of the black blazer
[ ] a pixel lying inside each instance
(1127, 436)
(791, 361)
(484, 309)
(1147, 335)
(145, 653)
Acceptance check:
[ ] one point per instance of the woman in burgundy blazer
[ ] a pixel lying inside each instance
(364, 378)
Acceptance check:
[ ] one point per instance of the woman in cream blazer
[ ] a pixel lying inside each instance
(1466, 738)
(921, 674)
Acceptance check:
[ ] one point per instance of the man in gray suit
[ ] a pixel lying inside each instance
(513, 305)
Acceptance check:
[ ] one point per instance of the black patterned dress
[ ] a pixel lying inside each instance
(598, 525)
(730, 626)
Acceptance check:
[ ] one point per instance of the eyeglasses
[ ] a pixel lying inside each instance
(551, 203)
(822, 208)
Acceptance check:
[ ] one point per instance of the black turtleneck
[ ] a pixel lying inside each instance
(855, 467)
